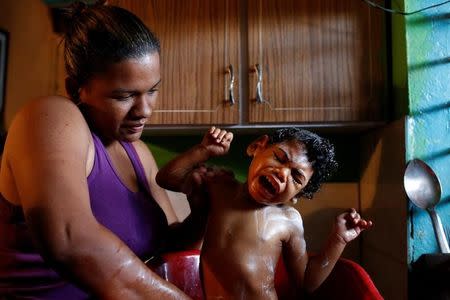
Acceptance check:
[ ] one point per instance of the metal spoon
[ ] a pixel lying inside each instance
(424, 190)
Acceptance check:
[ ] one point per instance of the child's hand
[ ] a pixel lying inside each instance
(349, 225)
(217, 141)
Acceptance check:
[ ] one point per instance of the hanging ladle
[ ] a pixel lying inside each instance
(424, 190)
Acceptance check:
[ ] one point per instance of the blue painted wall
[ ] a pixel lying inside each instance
(428, 122)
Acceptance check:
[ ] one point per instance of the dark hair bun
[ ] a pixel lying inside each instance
(74, 11)
(65, 17)
(97, 35)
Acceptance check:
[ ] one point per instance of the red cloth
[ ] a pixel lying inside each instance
(348, 280)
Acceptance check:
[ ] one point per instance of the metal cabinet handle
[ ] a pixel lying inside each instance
(231, 85)
(259, 95)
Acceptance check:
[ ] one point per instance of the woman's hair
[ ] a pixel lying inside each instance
(98, 35)
(320, 153)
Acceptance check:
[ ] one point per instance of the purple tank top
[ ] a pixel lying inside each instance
(134, 217)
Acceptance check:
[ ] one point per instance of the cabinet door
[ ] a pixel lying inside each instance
(321, 61)
(199, 40)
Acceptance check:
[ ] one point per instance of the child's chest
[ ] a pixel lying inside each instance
(236, 227)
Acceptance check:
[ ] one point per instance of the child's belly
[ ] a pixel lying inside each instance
(240, 254)
(232, 284)
(239, 272)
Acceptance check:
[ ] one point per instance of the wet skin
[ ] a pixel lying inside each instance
(248, 223)
(50, 182)
(243, 245)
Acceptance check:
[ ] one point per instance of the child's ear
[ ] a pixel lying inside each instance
(259, 143)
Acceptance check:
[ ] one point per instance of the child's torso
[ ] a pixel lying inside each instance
(243, 243)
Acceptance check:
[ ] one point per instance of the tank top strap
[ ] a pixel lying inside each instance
(137, 165)
(98, 156)
(101, 155)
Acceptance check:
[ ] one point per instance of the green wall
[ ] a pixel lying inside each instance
(428, 123)
(166, 147)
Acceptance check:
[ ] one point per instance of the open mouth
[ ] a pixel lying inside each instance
(268, 185)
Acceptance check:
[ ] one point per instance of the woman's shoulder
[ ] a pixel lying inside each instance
(49, 106)
(53, 109)
(49, 117)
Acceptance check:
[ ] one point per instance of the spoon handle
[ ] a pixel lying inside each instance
(439, 230)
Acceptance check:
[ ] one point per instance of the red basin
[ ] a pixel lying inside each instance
(348, 280)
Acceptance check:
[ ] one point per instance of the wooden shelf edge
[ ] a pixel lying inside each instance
(322, 128)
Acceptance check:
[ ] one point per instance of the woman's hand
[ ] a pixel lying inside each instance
(204, 174)
(217, 141)
(349, 225)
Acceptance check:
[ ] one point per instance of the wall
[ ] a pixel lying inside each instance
(428, 124)
(383, 200)
(34, 60)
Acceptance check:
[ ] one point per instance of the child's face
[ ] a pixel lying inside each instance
(278, 172)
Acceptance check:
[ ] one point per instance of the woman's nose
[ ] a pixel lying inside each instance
(143, 106)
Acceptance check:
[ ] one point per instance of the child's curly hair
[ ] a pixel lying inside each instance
(320, 153)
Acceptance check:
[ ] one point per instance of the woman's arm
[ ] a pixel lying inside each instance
(48, 149)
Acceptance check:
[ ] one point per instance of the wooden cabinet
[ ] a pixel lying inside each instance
(319, 61)
(199, 40)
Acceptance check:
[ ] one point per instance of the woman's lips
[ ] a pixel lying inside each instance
(135, 128)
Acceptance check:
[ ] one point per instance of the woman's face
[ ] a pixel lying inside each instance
(278, 172)
(119, 101)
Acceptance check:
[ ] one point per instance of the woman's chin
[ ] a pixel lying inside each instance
(130, 136)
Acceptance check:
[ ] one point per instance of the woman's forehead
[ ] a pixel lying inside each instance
(143, 71)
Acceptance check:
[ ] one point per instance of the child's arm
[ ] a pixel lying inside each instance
(174, 174)
(316, 268)
(182, 174)
(347, 227)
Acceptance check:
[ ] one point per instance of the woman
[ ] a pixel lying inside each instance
(79, 206)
